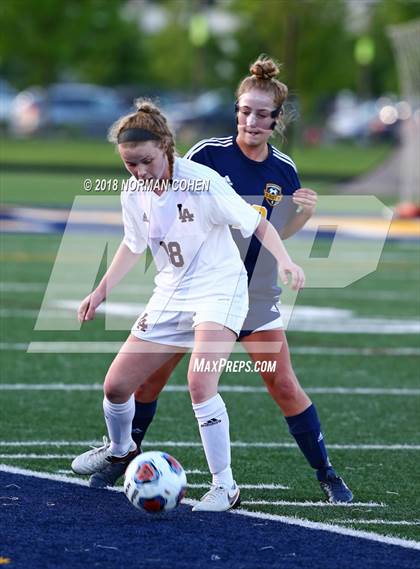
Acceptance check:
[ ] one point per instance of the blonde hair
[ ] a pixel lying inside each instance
(263, 76)
(148, 117)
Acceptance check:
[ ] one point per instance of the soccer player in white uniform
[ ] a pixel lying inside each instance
(200, 300)
(267, 179)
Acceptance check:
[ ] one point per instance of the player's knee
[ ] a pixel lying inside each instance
(115, 392)
(199, 390)
(283, 387)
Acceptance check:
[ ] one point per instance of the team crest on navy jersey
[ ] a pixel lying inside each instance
(273, 194)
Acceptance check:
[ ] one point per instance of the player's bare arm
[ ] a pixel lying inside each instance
(123, 261)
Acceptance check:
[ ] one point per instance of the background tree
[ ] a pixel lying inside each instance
(308, 37)
(42, 42)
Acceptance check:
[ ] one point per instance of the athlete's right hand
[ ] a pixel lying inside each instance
(88, 306)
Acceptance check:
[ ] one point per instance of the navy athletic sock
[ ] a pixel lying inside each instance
(306, 429)
(143, 416)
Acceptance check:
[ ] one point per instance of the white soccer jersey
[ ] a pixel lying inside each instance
(188, 235)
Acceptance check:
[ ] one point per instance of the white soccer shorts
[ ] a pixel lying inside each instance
(176, 328)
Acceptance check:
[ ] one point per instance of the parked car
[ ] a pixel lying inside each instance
(65, 107)
(353, 119)
(209, 113)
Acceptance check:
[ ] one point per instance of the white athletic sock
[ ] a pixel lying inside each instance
(118, 417)
(213, 423)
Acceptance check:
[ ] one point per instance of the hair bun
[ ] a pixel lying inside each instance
(264, 68)
(143, 106)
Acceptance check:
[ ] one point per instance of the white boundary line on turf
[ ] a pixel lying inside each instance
(248, 486)
(192, 485)
(307, 504)
(236, 444)
(33, 456)
(193, 471)
(47, 476)
(382, 522)
(13, 346)
(224, 388)
(406, 543)
(135, 290)
(113, 347)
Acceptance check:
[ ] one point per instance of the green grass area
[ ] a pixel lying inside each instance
(48, 188)
(54, 189)
(384, 476)
(50, 152)
(63, 152)
(96, 157)
(338, 160)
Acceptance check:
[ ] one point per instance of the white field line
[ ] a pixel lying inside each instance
(71, 288)
(317, 351)
(196, 444)
(55, 477)
(382, 522)
(18, 287)
(304, 319)
(193, 471)
(406, 543)
(113, 347)
(224, 388)
(370, 295)
(64, 471)
(34, 456)
(13, 346)
(249, 486)
(292, 520)
(192, 485)
(307, 504)
(19, 313)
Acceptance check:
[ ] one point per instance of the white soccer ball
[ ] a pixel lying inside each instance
(155, 482)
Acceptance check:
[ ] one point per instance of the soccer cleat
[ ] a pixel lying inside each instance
(219, 499)
(98, 458)
(109, 475)
(334, 487)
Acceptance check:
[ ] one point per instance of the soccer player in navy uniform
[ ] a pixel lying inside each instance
(268, 180)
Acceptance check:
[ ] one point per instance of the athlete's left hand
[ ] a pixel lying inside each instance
(306, 200)
(296, 274)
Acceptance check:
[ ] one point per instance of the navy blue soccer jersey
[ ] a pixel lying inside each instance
(267, 186)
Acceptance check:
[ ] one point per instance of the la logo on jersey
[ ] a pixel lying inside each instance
(142, 323)
(184, 214)
(273, 194)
